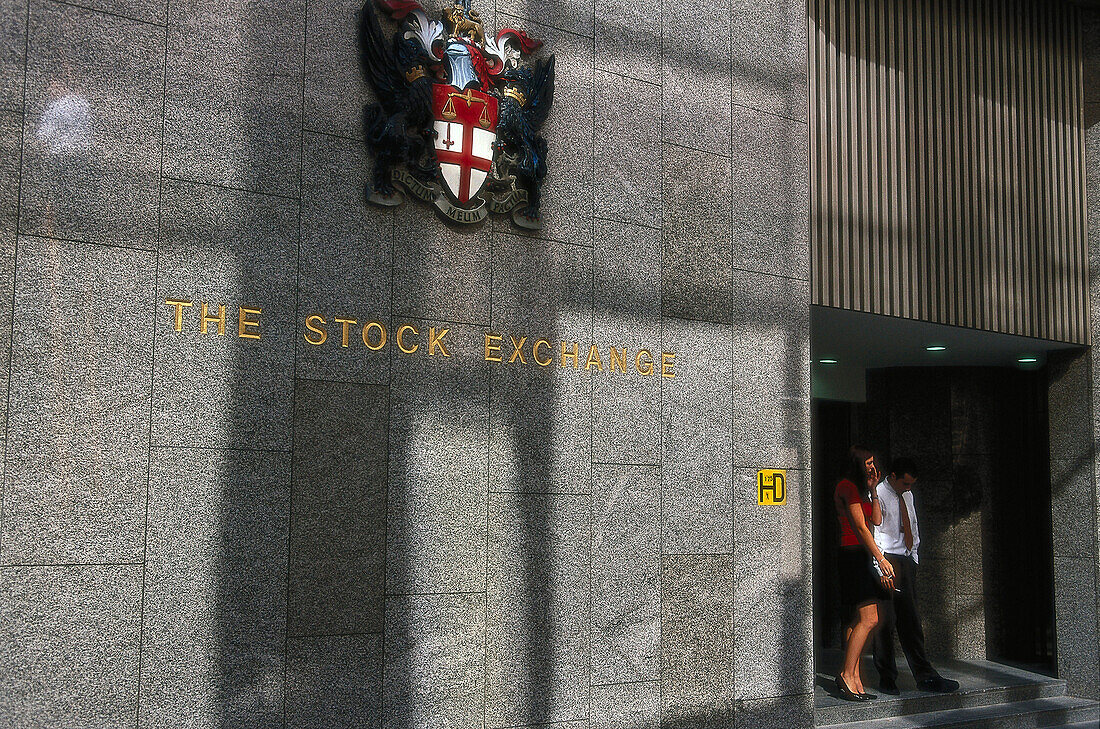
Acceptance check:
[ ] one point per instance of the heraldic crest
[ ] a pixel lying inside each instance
(457, 117)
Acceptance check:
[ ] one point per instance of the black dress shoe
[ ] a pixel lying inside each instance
(847, 693)
(867, 697)
(939, 685)
(889, 686)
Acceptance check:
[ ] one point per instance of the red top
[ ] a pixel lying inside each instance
(846, 494)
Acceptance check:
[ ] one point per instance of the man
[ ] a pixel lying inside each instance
(899, 537)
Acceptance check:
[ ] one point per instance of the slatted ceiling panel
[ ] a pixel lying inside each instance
(948, 163)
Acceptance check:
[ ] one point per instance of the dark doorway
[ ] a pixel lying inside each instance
(979, 435)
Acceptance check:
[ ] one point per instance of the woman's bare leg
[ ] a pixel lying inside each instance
(865, 622)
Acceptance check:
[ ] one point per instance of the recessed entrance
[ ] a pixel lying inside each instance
(970, 408)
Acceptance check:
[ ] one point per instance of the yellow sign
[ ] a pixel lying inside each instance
(771, 487)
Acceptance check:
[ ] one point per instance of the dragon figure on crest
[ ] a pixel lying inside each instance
(458, 113)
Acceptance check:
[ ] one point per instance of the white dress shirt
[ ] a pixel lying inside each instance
(889, 535)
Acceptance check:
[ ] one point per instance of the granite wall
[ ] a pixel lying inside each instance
(1075, 433)
(202, 530)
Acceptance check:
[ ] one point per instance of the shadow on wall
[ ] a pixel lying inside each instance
(437, 520)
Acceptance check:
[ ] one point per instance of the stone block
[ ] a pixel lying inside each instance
(697, 249)
(968, 553)
(541, 430)
(1075, 618)
(626, 564)
(335, 90)
(78, 411)
(626, 314)
(981, 419)
(11, 139)
(627, 149)
(770, 67)
(233, 98)
(345, 261)
(772, 573)
(10, 142)
(92, 126)
(334, 682)
(697, 640)
(338, 509)
(627, 706)
(969, 627)
(1090, 35)
(696, 415)
(434, 661)
(696, 78)
(770, 194)
(537, 609)
(624, 34)
(69, 646)
(935, 601)
(771, 385)
(567, 195)
(439, 433)
(147, 11)
(215, 589)
(920, 423)
(572, 16)
(782, 712)
(440, 270)
(1068, 406)
(236, 249)
(13, 48)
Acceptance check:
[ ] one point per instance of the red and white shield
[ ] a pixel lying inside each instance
(465, 125)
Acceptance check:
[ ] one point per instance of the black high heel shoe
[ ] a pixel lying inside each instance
(847, 693)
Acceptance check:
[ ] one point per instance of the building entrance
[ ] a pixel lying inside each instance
(970, 408)
(979, 437)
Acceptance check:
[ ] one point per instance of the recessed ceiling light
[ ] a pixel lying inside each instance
(1027, 360)
(936, 348)
(827, 361)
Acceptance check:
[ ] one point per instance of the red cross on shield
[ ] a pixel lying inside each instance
(465, 125)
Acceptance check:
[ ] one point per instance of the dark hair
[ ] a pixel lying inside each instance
(902, 466)
(855, 472)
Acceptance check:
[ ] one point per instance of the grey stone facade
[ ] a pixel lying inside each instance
(202, 530)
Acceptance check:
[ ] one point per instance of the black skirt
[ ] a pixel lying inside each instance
(859, 582)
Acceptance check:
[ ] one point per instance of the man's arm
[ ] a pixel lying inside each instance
(906, 525)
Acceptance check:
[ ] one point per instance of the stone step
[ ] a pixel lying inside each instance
(1054, 711)
(1032, 687)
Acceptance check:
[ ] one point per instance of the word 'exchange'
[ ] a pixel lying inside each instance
(431, 340)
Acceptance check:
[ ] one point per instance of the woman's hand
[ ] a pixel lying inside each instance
(887, 571)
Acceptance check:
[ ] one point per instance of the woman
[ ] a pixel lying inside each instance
(857, 508)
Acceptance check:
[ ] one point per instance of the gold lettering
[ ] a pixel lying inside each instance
(593, 358)
(490, 347)
(401, 331)
(436, 340)
(646, 366)
(179, 304)
(667, 364)
(316, 330)
(517, 349)
(344, 324)
(381, 335)
(243, 322)
(535, 354)
(220, 318)
(616, 359)
(575, 354)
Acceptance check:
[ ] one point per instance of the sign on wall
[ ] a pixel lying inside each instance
(771, 487)
(458, 114)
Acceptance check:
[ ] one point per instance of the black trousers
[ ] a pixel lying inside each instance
(901, 611)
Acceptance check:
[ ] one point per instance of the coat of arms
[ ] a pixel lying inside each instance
(458, 113)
